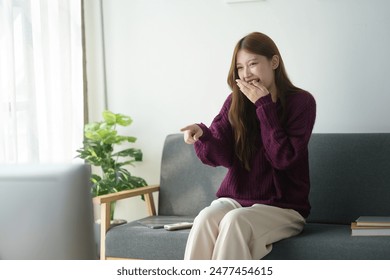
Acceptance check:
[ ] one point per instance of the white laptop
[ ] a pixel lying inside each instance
(46, 212)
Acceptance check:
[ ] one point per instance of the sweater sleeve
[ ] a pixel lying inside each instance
(286, 146)
(215, 146)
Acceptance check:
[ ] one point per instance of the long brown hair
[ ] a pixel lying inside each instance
(242, 113)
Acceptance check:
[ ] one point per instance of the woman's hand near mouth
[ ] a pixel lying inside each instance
(252, 90)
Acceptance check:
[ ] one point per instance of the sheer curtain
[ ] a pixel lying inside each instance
(41, 80)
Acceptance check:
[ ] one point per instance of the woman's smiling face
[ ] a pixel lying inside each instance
(254, 67)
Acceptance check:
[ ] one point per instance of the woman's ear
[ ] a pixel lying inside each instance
(275, 62)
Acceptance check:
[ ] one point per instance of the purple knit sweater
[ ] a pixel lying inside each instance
(279, 173)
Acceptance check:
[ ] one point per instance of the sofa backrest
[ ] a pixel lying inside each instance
(350, 177)
(186, 185)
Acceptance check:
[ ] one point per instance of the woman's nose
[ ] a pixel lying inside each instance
(247, 73)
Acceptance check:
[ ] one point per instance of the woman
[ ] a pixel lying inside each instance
(261, 135)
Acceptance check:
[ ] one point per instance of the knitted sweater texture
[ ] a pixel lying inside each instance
(279, 174)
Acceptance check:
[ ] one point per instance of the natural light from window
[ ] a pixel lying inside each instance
(41, 80)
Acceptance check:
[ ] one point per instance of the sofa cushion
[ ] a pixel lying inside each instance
(330, 242)
(316, 242)
(137, 241)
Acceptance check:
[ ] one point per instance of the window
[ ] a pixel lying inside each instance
(41, 80)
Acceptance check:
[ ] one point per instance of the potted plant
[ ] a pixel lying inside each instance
(99, 149)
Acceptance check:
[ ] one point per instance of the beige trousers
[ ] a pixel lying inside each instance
(226, 230)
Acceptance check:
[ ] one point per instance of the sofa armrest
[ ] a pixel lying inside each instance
(105, 209)
(147, 191)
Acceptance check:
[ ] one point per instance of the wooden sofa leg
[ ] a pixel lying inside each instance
(150, 204)
(104, 226)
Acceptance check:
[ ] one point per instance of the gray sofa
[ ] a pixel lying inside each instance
(350, 177)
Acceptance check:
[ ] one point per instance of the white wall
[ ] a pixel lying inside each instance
(167, 62)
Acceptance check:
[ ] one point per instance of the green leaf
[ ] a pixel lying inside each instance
(128, 162)
(123, 120)
(119, 139)
(92, 126)
(113, 119)
(95, 178)
(137, 182)
(107, 135)
(131, 139)
(109, 117)
(132, 152)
